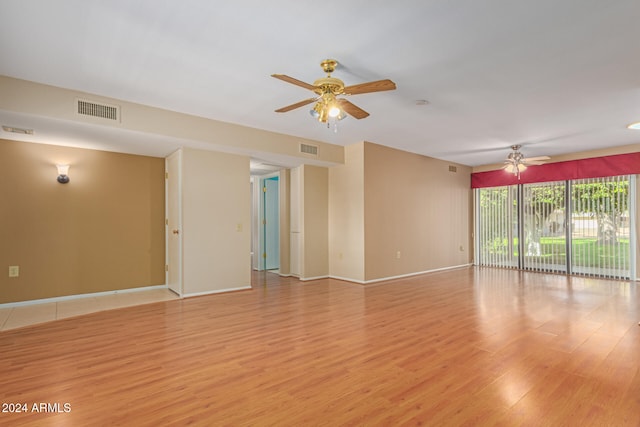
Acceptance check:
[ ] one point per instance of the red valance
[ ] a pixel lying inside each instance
(597, 167)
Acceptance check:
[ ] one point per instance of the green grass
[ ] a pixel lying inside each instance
(586, 252)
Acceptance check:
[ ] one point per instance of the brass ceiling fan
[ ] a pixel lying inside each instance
(516, 162)
(328, 105)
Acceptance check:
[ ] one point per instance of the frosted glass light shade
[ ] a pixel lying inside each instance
(63, 173)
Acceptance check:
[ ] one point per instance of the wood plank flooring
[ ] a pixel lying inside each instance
(474, 346)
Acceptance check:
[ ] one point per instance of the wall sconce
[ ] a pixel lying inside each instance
(63, 173)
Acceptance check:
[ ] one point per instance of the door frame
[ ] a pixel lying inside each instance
(173, 264)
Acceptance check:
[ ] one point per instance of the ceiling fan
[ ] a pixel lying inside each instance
(516, 162)
(328, 105)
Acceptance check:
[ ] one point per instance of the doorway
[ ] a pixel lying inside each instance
(265, 234)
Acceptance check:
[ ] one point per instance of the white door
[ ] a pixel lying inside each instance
(173, 221)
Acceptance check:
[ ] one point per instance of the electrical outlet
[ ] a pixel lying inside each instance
(14, 271)
(239, 227)
(398, 255)
(461, 248)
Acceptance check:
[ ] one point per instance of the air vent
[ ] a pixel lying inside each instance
(102, 111)
(453, 168)
(309, 149)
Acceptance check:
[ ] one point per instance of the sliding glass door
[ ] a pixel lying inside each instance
(578, 227)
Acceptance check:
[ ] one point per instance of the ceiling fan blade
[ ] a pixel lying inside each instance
(291, 80)
(533, 162)
(352, 109)
(296, 105)
(377, 86)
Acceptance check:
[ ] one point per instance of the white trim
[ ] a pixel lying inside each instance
(306, 279)
(217, 291)
(80, 296)
(178, 222)
(347, 279)
(632, 208)
(418, 273)
(286, 275)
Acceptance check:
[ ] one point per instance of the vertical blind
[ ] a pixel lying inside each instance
(601, 227)
(496, 218)
(543, 226)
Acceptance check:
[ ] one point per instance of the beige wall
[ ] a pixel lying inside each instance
(415, 206)
(394, 213)
(102, 231)
(216, 222)
(346, 216)
(315, 221)
(22, 96)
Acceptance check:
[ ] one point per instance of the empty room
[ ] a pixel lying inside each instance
(341, 213)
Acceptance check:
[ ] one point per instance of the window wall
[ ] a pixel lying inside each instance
(580, 227)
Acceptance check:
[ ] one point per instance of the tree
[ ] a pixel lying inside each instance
(607, 202)
(539, 201)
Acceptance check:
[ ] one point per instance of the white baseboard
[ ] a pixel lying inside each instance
(217, 291)
(348, 279)
(402, 276)
(80, 296)
(306, 279)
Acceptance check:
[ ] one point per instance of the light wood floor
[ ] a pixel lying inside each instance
(474, 346)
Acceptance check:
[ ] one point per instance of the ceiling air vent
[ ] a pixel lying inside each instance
(309, 149)
(95, 109)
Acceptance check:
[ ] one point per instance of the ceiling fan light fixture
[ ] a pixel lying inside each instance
(323, 116)
(517, 163)
(327, 109)
(328, 106)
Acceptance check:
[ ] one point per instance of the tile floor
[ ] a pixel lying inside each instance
(17, 317)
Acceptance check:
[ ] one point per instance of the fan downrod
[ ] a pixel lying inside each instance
(329, 66)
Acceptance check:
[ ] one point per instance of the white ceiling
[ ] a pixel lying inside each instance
(557, 76)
